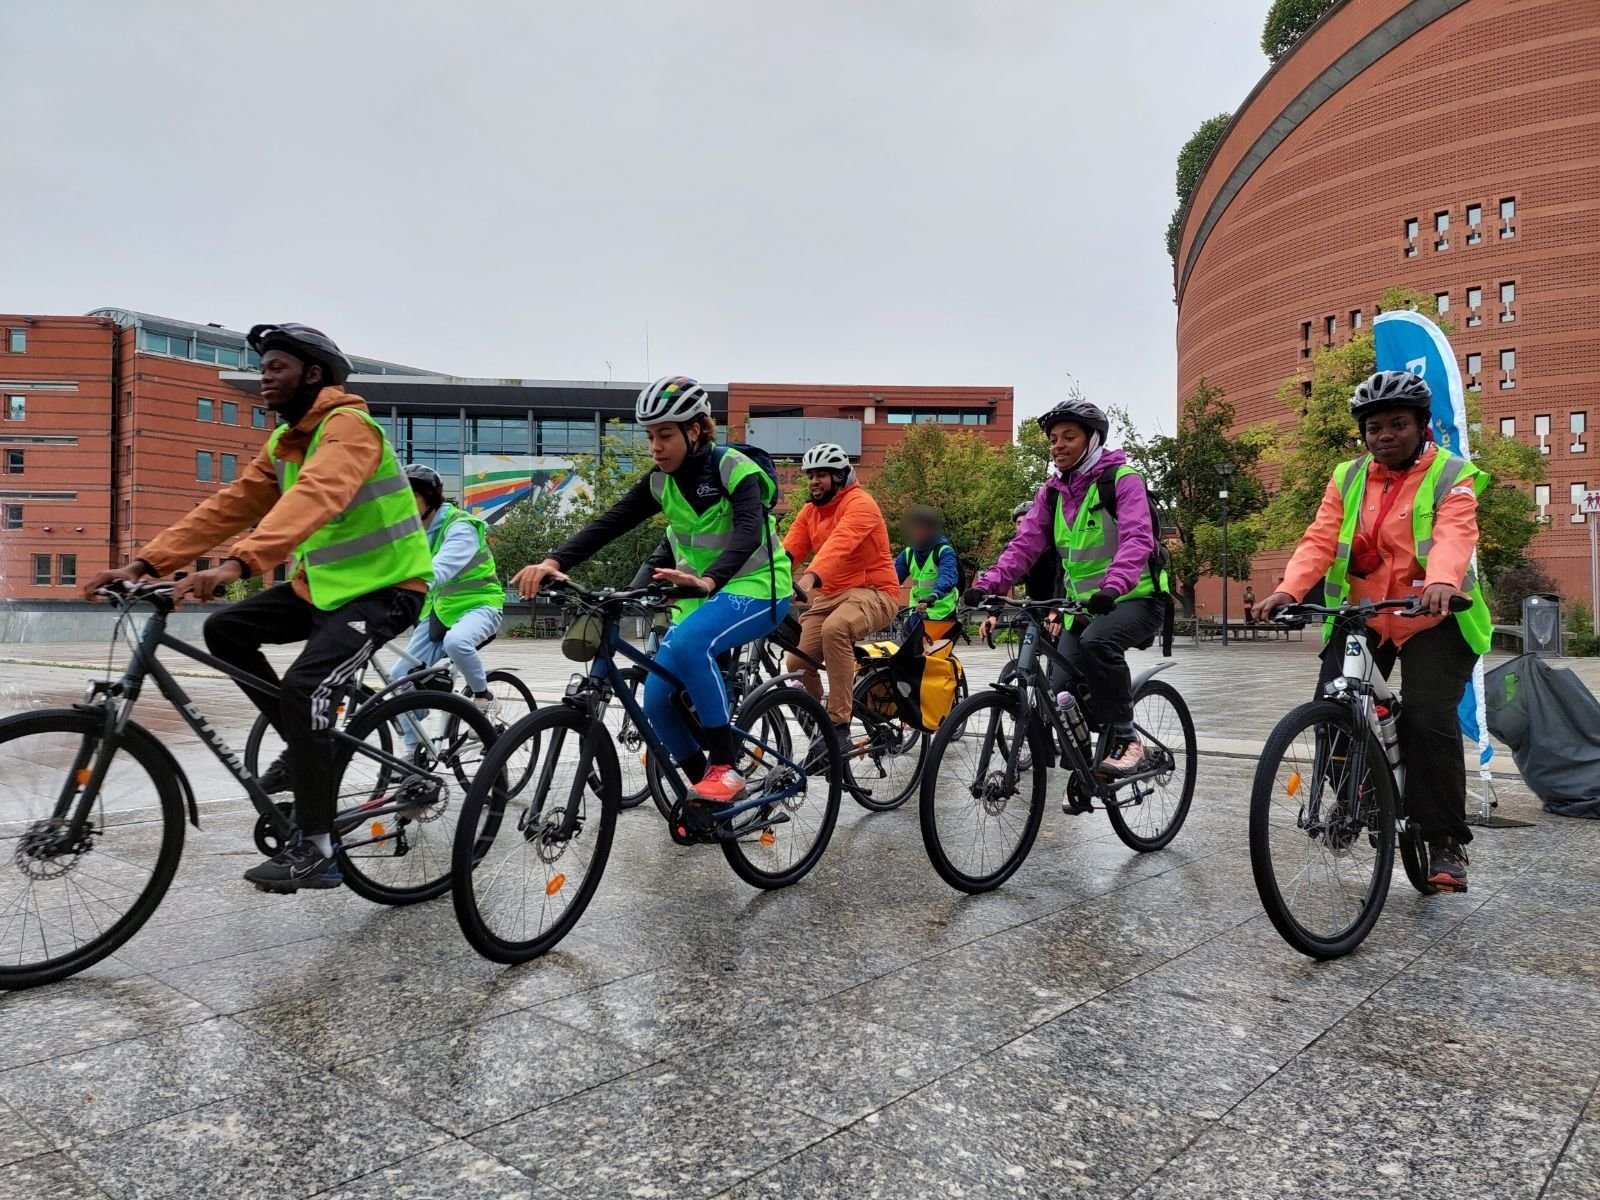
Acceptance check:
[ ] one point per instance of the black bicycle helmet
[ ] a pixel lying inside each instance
(1384, 390)
(1079, 412)
(1021, 509)
(305, 343)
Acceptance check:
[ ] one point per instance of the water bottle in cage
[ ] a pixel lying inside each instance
(1389, 731)
(1072, 711)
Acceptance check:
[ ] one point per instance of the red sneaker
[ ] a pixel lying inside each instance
(721, 785)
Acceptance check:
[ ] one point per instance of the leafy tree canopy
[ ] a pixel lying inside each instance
(1287, 22)
(1191, 161)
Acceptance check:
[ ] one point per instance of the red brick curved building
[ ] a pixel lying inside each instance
(1451, 146)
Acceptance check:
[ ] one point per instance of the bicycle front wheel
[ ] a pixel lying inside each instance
(1322, 829)
(66, 903)
(977, 828)
(398, 809)
(790, 758)
(525, 867)
(513, 700)
(1151, 811)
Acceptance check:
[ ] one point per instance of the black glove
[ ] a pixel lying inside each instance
(1102, 602)
(973, 597)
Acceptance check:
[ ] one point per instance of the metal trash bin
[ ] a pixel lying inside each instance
(1541, 626)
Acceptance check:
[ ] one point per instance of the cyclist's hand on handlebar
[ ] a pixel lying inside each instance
(1052, 624)
(1103, 602)
(685, 579)
(973, 597)
(534, 576)
(1436, 597)
(131, 573)
(203, 585)
(1270, 604)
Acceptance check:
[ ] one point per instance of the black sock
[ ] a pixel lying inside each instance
(694, 766)
(1124, 731)
(720, 744)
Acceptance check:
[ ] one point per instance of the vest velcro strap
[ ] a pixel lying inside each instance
(377, 539)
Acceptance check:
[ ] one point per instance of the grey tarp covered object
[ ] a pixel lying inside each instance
(1552, 724)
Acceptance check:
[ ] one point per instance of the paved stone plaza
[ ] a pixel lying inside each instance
(1106, 1024)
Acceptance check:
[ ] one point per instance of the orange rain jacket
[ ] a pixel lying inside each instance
(1455, 536)
(348, 453)
(850, 540)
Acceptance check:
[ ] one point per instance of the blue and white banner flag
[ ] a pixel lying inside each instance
(1408, 341)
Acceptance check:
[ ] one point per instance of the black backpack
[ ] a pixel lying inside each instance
(1160, 557)
(763, 460)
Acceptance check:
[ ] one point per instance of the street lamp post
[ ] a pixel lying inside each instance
(1224, 469)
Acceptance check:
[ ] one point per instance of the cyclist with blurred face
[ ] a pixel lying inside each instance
(466, 603)
(929, 562)
(1402, 520)
(725, 543)
(326, 490)
(1106, 564)
(849, 583)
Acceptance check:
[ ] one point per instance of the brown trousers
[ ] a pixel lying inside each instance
(830, 627)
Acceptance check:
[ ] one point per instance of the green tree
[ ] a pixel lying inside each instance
(1192, 161)
(1324, 436)
(973, 483)
(1287, 22)
(1182, 470)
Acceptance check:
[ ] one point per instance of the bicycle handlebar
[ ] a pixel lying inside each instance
(652, 595)
(126, 593)
(1293, 615)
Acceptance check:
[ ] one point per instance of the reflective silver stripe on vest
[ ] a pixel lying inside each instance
(1454, 464)
(376, 489)
(280, 468)
(459, 583)
(1355, 483)
(378, 538)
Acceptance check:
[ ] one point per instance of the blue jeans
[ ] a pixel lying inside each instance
(460, 642)
(690, 652)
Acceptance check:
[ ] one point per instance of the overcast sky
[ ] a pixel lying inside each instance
(844, 191)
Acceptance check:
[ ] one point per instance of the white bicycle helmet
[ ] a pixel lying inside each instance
(672, 398)
(825, 456)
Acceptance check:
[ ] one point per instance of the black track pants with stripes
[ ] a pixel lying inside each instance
(338, 644)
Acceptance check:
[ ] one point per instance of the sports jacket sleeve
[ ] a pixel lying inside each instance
(797, 542)
(1315, 553)
(1136, 536)
(455, 552)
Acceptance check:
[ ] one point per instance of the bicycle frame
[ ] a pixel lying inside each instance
(1364, 687)
(604, 676)
(120, 697)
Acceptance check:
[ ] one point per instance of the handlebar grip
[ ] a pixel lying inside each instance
(1460, 603)
(973, 597)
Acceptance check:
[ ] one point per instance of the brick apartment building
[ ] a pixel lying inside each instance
(1450, 146)
(117, 423)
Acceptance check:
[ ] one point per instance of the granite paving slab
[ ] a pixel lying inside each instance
(453, 1171)
(1577, 1174)
(853, 1163)
(87, 1011)
(48, 1177)
(18, 1139)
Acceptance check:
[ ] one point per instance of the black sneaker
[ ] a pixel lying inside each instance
(276, 779)
(301, 865)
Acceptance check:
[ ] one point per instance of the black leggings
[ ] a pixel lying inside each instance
(338, 644)
(1437, 665)
(1098, 653)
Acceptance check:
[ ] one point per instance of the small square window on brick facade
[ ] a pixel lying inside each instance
(1541, 430)
(1441, 227)
(204, 409)
(1474, 369)
(41, 570)
(1474, 306)
(1411, 228)
(1305, 339)
(1579, 489)
(66, 570)
(1508, 370)
(1328, 325)
(1356, 319)
(1508, 427)
(15, 462)
(1441, 302)
(13, 517)
(1474, 224)
(1577, 425)
(1541, 497)
(17, 343)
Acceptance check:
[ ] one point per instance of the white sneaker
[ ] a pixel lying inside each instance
(486, 703)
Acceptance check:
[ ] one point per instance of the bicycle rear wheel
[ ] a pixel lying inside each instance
(398, 810)
(513, 700)
(976, 829)
(1153, 810)
(1322, 829)
(525, 867)
(883, 763)
(263, 746)
(1414, 854)
(778, 843)
(64, 907)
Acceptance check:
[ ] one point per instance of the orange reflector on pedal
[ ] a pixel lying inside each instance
(379, 829)
(768, 837)
(1293, 786)
(557, 882)
(83, 777)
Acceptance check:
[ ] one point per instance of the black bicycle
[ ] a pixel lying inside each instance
(92, 804)
(525, 867)
(1328, 805)
(983, 788)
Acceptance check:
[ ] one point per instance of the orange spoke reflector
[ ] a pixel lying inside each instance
(378, 829)
(557, 882)
(1293, 786)
(768, 837)
(83, 777)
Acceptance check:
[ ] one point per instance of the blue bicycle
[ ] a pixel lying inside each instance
(526, 866)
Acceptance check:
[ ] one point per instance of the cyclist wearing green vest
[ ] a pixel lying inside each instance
(466, 603)
(1402, 520)
(716, 501)
(1105, 543)
(929, 562)
(325, 490)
